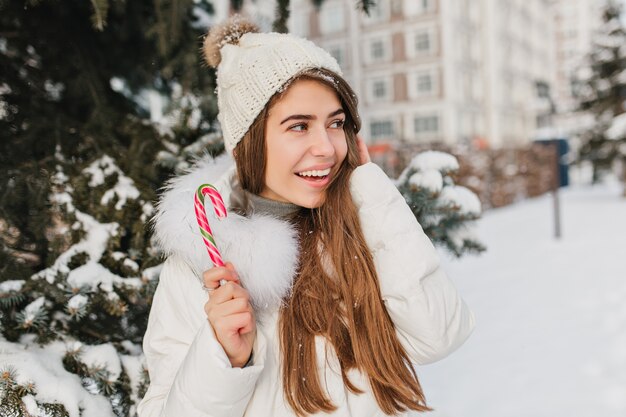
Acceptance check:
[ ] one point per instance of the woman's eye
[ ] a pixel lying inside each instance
(299, 127)
(337, 124)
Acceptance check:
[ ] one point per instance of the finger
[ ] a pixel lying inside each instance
(211, 278)
(230, 307)
(235, 323)
(231, 268)
(227, 292)
(364, 154)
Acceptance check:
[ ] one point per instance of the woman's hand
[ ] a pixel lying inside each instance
(230, 314)
(364, 154)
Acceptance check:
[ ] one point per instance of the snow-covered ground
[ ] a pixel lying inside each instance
(550, 339)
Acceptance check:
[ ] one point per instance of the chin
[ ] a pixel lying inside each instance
(311, 203)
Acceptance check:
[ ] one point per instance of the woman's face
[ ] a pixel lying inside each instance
(305, 144)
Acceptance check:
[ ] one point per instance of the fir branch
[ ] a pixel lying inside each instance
(282, 16)
(100, 12)
(28, 388)
(11, 299)
(236, 5)
(8, 377)
(78, 312)
(32, 321)
(144, 383)
(53, 410)
(317, 4)
(11, 405)
(366, 5)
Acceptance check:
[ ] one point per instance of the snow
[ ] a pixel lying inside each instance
(617, 130)
(93, 244)
(54, 90)
(152, 273)
(608, 41)
(44, 367)
(604, 55)
(63, 198)
(262, 13)
(430, 180)
(460, 235)
(435, 160)
(118, 255)
(133, 348)
(429, 161)
(102, 357)
(59, 178)
(32, 310)
(550, 314)
(603, 85)
(202, 20)
(100, 169)
(461, 197)
(118, 85)
(31, 405)
(129, 263)
(147, 210)
(133, 365)
(77, 302)
(11, 285)
(124, 189)
(93, 275)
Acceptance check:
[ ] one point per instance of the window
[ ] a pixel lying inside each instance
(377, 50)
(422, 42)
(424, 83)
(379, 89)
(426, 124)
(381, 129)
(332, 19)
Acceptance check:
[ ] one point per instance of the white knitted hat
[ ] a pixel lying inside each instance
(252, 67)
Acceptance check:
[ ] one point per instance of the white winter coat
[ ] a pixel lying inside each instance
(190, 373)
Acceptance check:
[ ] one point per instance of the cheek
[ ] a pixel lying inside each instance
(280, 161)
(341, 148)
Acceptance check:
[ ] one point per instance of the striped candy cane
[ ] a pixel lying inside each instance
(203, 222)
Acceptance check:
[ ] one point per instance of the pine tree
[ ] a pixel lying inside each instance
(80, 163)
(100, 102)
(602, 91)
(444, 210)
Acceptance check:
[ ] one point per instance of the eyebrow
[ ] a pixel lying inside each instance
(310, 117)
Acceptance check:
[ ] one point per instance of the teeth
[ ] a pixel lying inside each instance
(315, 173)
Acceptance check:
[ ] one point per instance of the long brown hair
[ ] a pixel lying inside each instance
(336, 293)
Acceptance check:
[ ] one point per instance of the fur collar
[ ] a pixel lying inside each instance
(263, 249)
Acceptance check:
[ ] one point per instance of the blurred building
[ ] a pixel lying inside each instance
(575, 22)
(452, 71)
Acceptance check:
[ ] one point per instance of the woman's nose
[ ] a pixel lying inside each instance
(322, 144)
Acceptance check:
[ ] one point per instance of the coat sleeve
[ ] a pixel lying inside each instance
(190, 374)
(429, 315)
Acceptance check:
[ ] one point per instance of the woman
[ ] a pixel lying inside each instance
(333, 292)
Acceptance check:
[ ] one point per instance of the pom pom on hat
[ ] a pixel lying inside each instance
(228, 32)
